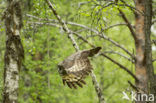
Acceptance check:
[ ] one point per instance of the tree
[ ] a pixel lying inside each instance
(125, 63)
(14, 53)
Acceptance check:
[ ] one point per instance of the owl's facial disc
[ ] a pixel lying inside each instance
(61, 70)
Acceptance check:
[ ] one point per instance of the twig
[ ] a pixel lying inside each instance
(131, 7)
(133, 86)
(119, 24)
(41, 23)
(124, 56)
(116, 44)
(65, 28)
(121, 66)
(83, 39)
(128, 24)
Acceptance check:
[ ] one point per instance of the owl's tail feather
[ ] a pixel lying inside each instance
(79, 84)
(69, 84)
(64, 82)
(82, 81)
(73, 84)
(94, 51)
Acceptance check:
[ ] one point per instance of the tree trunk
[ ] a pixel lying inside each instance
(143, 63)
(148, 51)
(14, 53)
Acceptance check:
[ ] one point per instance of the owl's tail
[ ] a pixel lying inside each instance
(94, 51)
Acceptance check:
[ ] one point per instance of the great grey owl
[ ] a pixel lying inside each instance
(76, 67)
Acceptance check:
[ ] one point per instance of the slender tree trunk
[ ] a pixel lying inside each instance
(148, 51)
(14, 53)
(141, 71)
(143, 63)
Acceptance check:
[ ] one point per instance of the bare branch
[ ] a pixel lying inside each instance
(83, 39)
(41, 23)
(119, 24)
(122, 55)
(100, 34)
(64, 26)
(133, 86)
(116, 44)
(131, 7)
(121, 66)
(128, 24)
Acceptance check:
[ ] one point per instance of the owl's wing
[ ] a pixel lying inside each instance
(77, 73)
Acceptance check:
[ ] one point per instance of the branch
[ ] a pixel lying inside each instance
(116, 44)
(65, 28)
(119, 24)
(55, 21)
(128, 24)
(131, 7)
(121, 66)
(79, 36)
(133, 86)
(41, 23)
(124, 56)
(100, 34)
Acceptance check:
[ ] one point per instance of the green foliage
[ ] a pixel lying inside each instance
(45, 46)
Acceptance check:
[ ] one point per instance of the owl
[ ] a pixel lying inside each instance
(76, 67)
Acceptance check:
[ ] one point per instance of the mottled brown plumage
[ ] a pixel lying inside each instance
(76, 67)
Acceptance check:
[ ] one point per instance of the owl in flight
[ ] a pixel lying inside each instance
(76, 67)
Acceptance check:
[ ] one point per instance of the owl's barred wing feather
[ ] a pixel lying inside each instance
(77, 73)
(76, 67)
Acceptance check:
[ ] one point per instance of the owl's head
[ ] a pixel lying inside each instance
(61, 70)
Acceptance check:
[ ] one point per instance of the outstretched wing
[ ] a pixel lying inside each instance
(77, 67)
